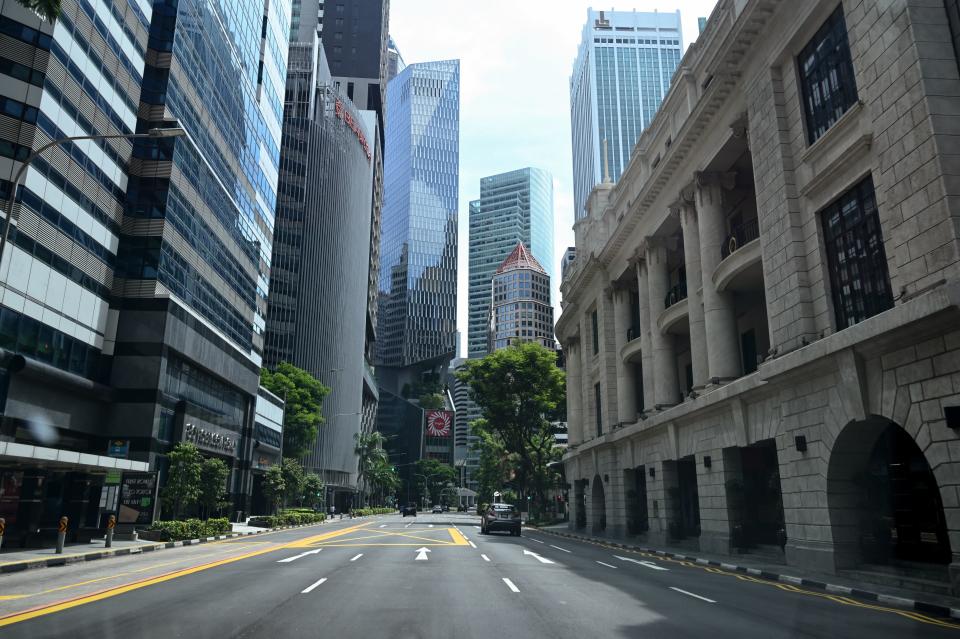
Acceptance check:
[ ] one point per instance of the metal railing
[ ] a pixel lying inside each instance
(633, 332)
(677, 293)
(739, 236)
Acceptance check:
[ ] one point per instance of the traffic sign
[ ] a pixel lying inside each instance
(63, 524)
(112, 521)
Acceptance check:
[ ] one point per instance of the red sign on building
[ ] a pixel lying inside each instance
(439, 423)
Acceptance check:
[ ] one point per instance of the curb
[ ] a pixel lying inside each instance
(29, 564)
(889, 600)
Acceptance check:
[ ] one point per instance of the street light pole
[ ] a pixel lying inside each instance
(156, 133)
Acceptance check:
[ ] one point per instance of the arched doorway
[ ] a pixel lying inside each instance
(599, 506)
(884, 500)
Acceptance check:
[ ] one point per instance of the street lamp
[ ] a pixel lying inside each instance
(156, 133)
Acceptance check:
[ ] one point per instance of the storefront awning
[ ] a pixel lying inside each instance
(27, 455)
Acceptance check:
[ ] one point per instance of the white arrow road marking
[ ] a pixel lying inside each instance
(648, 564)
(693, 595)
(312, 586)
(422, 553)
(542, 560)
(295, 557)
(357, 557)
(485, 558)
(559, 548)
(607, 565)
(510, 585)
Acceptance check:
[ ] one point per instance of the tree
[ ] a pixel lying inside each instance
(293, 480)
(435, 475)
(213, 483)
(519, 390)
(49, 10)
(369, 450)
(303, 394)
(383, 479)
(497, 467)
(312, 490)
(182, 487)
(274, 487)
(432, 401)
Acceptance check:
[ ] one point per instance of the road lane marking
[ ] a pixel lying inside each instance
(295, 557)
(429, 525)
(408, 525)
(535, 539)
(607, 565)
(422, 553)
(559, 548)
(510, 585)
(312, 586)
(693, 595)
(473, 544)
(383, 525)
(485, 558)
(646, 564)
(356, 557)
(542, 560)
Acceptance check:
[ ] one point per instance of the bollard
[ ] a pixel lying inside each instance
(3, 527)
(61, 534)
(111, 523)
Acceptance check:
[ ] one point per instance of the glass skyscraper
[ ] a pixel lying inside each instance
(622, 72)
(418, 256)
(513, 207)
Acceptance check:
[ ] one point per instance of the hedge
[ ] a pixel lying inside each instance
(362, 512)
(178, 530)
(287, 518)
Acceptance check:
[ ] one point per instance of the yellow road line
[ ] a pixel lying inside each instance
(136, 585)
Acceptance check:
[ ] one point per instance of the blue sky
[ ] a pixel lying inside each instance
(515, 62)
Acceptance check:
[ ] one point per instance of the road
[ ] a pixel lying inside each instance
(432, 576)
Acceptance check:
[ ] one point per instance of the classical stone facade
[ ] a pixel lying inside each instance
(761, 322)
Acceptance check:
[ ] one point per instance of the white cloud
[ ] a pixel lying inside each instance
(515, 62)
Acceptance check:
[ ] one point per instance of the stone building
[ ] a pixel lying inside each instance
(761, 325)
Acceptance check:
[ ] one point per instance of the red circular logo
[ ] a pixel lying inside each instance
(438, 423)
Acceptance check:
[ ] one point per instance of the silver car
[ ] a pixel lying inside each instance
(501, 517)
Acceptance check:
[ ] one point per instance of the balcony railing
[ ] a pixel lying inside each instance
(676, 294)
(633, 332)
(739, 236)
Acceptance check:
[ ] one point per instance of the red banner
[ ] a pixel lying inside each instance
(439, 423)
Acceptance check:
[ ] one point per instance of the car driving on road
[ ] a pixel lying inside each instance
(501, 517)
(437, 509)
(409, 509)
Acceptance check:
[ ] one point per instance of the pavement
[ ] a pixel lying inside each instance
(429, 576)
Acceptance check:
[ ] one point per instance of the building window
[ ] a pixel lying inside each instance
(594, 330)
(598, 409)
(826, 76)
(858, 263)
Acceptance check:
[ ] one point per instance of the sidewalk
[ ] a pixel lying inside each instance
(927, 603)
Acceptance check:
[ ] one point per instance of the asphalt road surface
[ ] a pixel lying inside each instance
(429, 576)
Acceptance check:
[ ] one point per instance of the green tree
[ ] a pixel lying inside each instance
(303, 394)
(432, 401)
(497, 467)
(294, 479)
(182, 488)
(274, 487)
(49, 10)
(435, 475)
(368, 448)
(213, 483)
(519, 390)
(312, 490)
(384, 480)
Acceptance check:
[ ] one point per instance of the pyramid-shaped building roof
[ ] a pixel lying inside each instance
(520, 258)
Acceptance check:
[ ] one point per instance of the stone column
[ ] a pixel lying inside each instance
(586, 383)
(691, 254)
(574, 392)
(667, 385)
(645, 343)
(723, 349)
(626, 382)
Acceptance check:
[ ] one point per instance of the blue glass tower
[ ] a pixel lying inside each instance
(418, 256)
(513, 207)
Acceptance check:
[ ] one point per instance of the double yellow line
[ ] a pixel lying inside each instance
(49, 609)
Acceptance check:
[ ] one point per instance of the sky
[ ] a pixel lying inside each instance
(516, 57)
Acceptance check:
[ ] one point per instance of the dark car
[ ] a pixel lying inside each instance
(446, 508)
(409, 509)
(501, 517)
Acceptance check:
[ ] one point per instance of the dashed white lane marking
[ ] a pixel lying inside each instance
(429, 525)
(693, 595)
(477, 527)
(485, 558)
(607, 565)
(295, 557)
(408, 525)
(383, 525)
(559, 548)
(356, 557)
(472, 544)
(535, 539)
(312, 586)
(510, 585)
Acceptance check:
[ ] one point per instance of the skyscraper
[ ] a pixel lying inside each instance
(622, 71)
(418, 270)
(520, 302)
(513, 207)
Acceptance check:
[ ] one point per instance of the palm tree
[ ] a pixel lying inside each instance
(49, 10)
(369, 451)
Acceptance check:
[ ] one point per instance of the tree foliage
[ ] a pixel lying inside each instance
(182, 488)
(312, 490)
(497, 467)
(274, 486)
(432, 401)
(49, 10)
(294, 479)
(434, 475)
(303, 394)
(368, 448)
(519, 390)
(213, 483)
